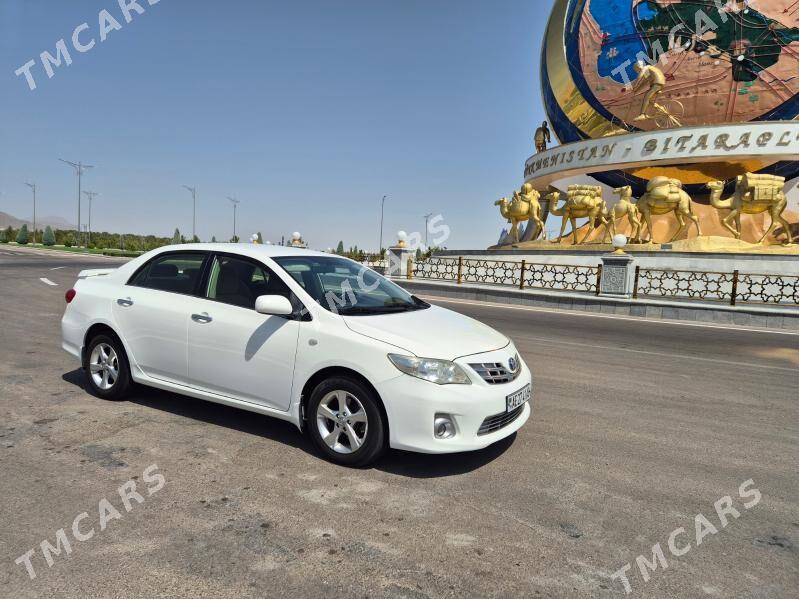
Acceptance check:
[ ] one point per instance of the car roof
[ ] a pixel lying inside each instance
(252, 250)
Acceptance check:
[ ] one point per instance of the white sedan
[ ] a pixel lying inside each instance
(315, 339)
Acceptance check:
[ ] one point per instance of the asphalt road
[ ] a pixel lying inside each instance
(638, 427)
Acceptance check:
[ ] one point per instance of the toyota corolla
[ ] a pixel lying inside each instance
(319, 340)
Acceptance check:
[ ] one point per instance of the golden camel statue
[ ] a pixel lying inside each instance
(754, 194)
(626, 207)
(525, 206)
(664, 195)
(582, 201)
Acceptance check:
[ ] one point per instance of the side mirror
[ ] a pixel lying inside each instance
(273, 305)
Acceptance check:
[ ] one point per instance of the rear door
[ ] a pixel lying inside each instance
(233, 350)
(154, 309)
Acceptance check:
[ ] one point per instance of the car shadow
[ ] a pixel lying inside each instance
(401, 463)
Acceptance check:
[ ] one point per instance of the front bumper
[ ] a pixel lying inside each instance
(412, 405)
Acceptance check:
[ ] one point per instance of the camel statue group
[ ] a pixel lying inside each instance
(754, 194)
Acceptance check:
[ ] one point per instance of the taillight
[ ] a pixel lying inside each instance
(70, 295)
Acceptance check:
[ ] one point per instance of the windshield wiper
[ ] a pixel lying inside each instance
(353, 310)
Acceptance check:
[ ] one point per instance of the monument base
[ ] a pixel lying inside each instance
(704, 244)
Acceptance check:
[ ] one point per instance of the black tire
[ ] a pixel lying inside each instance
(122, 383)
(375, 441)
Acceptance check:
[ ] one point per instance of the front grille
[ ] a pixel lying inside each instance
(495, 423)
(495, 373)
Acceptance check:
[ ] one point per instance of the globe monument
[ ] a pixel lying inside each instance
(678, 123)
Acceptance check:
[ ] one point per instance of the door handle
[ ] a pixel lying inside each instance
(125, 302)
(203, 318)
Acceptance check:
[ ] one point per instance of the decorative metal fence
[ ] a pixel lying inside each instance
(554, 277)
(727, 287)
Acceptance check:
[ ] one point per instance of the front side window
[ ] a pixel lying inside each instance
(240, 282)
(348, 288)
(177, 273)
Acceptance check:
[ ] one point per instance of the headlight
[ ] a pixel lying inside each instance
(440, 372)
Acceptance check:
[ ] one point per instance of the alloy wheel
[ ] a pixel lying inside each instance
(342, 422)
(104, 366)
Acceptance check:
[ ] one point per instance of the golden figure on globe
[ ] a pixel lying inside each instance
(525, 206)
(754, 194)
(652, 78)
(542, 137)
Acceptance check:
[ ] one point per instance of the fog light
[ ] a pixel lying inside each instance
(443, 427)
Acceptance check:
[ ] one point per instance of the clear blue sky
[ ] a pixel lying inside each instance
(308, 111)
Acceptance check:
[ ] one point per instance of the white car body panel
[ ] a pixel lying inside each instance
(262, 363)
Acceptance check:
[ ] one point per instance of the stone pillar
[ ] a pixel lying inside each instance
(618, 271)
(397, 261)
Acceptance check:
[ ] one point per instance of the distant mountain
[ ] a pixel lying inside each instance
(56, 222)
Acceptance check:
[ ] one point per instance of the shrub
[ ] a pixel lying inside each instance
(177, 237)
(49, 237)
(22, 236)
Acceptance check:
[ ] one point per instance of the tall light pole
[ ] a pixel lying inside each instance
(91, 195)
(193, 191)
(33, 187)
(79, 169)
(382, 207)
(235, 203)
(426, 221)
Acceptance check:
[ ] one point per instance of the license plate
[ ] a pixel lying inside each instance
(521, 397)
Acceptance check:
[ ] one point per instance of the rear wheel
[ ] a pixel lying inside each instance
(107, 367)
(346, 422)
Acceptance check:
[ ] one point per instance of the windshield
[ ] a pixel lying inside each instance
(348, 288)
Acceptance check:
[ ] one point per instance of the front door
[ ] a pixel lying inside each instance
(233, 350)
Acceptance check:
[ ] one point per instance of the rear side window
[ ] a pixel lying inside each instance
(177, 273)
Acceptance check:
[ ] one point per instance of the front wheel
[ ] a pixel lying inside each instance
(346, 422)
(107, 368)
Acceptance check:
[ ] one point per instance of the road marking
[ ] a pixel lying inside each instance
(700, 325)
(48, 282)
(58, 268)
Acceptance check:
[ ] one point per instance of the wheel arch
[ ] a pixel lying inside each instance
(333, 371)
(98, 328)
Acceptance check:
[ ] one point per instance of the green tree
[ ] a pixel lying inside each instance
(340, 248)
(195, 239)
(49, 237)
(418, 254)
(213, 238)
(260, 238)
(234, 239)
(22, 236)
(177, 238)
(9, 234)
(3, 238)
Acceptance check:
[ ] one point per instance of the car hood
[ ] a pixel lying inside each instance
(431, 333)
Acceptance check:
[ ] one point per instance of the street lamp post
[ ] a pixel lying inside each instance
(33, 187)
(235, 203)
(382, 209)
(91, 195)
(79, 168)
(426, 221)
(193, 191)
